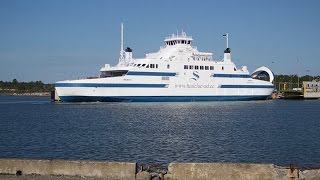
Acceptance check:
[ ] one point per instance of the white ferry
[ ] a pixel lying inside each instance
(177, 72)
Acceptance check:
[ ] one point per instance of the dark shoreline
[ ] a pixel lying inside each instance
(26, 94)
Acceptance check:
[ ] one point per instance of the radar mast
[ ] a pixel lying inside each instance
(121, 58)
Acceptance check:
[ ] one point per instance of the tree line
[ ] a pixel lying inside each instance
(282, 82)
(294, 78)
(14, 86)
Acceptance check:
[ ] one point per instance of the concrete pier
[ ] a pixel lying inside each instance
(13, 169)
(111, 170)
(221, 171)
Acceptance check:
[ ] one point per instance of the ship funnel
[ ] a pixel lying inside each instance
(227, 52)
(128, 53)
(227, 55)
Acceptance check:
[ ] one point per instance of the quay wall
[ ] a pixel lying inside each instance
(176, 170)
(221, 171)
(239, 171)
(110, 170)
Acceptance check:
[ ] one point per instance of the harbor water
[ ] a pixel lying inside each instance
(273, 131)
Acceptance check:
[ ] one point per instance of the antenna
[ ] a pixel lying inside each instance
(121, 46)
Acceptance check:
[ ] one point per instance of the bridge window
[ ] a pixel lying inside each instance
(222, 68)
(211, 67)
(201, 67)
(147, 66)
(196, 67)
(156, 65)
(143, 65)
(106, 74)
(168, 66)
(206, 67)
(185, 66)
(191, 67)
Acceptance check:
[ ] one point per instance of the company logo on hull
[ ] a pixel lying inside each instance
(195, 76)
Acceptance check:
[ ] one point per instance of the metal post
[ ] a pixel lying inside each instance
(121, 45)
(291, 87)
(274, 82)
(227, 40)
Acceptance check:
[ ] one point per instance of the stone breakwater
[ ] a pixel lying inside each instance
(65, 169)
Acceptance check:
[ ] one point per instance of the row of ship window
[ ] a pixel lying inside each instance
(178, 42)
(200, 67)
(147, 65)
(196, 67)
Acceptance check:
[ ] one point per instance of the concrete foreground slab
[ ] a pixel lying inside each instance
(27, 169)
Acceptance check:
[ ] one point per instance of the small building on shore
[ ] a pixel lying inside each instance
(311, 89)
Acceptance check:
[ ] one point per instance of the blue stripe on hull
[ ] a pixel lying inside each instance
(231, 75)
(110, 85)
(248, 86)
(158, 98)
(142, 73)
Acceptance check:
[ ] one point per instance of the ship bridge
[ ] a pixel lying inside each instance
(178, 47)
(178, 39)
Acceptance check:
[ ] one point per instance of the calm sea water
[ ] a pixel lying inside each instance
(279, 132)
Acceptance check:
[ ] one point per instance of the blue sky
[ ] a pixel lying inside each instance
(66, 39)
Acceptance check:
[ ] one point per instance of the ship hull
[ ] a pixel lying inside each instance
(109, 90)
(160, 98)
